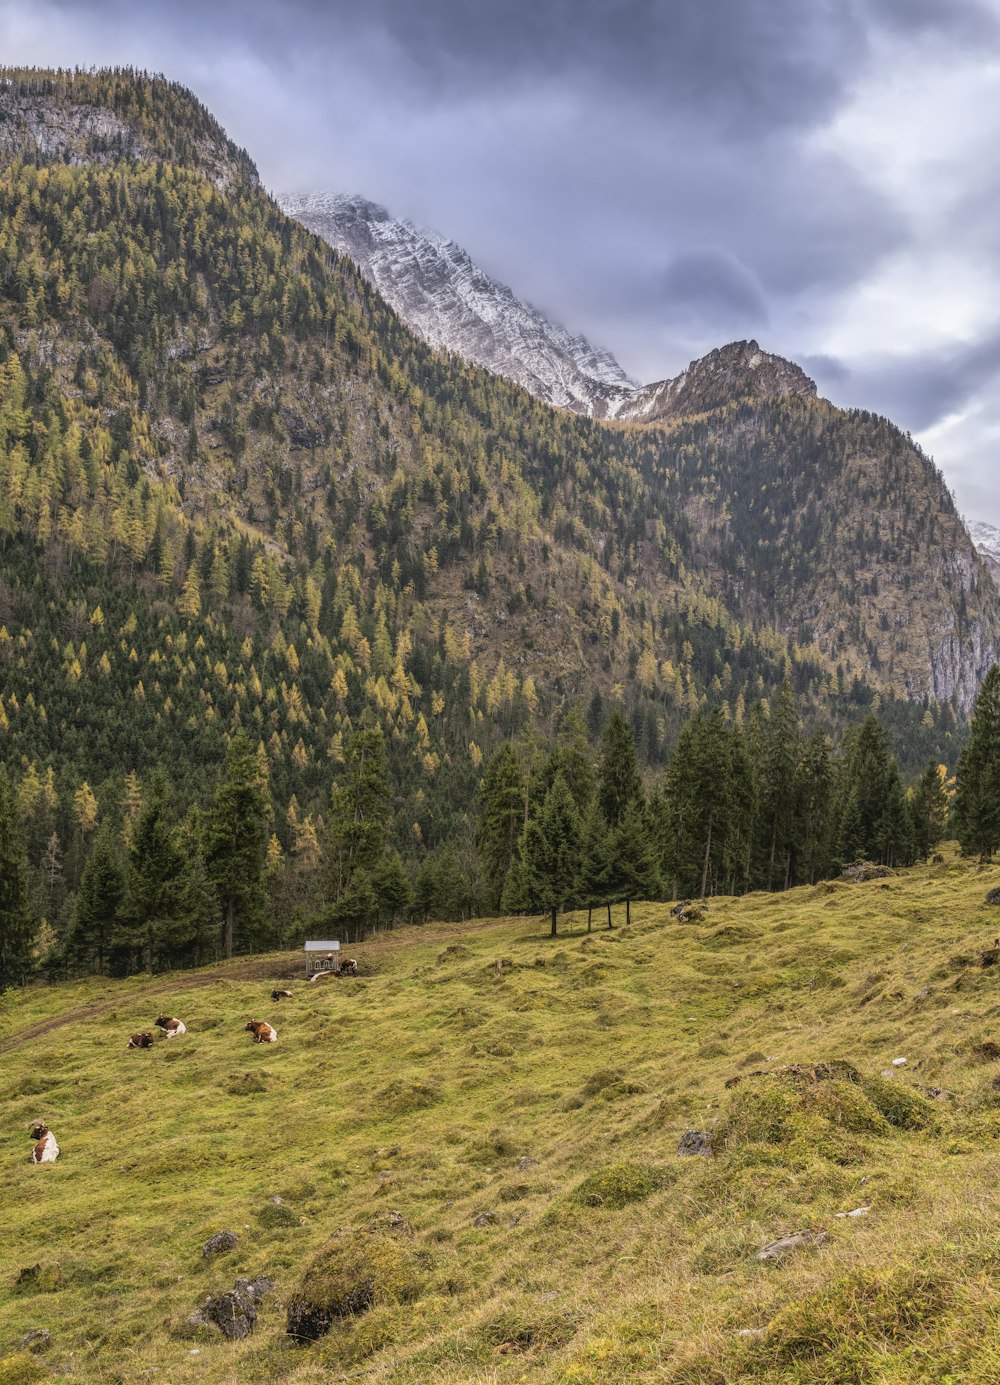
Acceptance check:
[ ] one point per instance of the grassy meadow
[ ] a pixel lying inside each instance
(523, 1121)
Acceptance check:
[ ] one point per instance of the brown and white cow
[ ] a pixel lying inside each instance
(171, 1027)
(143, 1040)
(281, 995)
(46, 1151)
(348, 967)
(263, 1033)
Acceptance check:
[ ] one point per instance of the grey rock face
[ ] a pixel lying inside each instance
(234, 1313)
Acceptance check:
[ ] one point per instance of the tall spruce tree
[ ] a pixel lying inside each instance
(501, 817)
(359, 815)
(977, 784)
(151, 928)
(929, 804)
(236, 842)
(618, 781)
(98, 902)
(780, 784)
(550, 854)
(17, 928)
(703, 804)
(634, 872)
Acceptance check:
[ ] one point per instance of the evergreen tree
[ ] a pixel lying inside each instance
(977, 784)
(151, 928)
(17, 929)
(868, 810)
(817, 808)
(392, 886)
(597, 846)
(550, 853)
(929, 806)
(618, 781)
(501, 817)
(634, 872)
(98, 902)
(571, 757)
(779, 779)
(359, 813)
(236, 842)
(702, 804)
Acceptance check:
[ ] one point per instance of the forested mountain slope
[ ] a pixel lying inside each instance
(237, 491)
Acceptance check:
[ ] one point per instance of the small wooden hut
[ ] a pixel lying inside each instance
(321, 956)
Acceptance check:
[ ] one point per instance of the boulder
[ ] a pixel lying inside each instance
(994, 896)
(220, 1243)
(860, 871)
(798, 1240)
(696, 1142)
(485, 1219)
(234, 1313)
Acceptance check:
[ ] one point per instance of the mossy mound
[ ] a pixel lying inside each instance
(798, 1103)
(21, 1369)
(617, 1185)
(351, 1274)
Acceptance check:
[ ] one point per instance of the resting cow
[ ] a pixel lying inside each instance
(143, 1040)
(263, 1033)
(46, 1151)
(281, 995)
(171, 1027)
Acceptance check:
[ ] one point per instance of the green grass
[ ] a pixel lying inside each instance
(546, 1105)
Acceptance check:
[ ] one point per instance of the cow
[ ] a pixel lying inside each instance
(143, 1040)
(348, 967)
(322, 975)
(281, 995)
(263, 1033)
(46, 1151)
(171, 1027)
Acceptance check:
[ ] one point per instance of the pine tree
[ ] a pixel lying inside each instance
(817, 808)
(977, 784)
(634, 870)
(98, 902)
(393, 889)
(779, 778)
(571, 757)
(929, 806)
(359, 812)
(618, 781)
(501, 817)
(150, 927)
(702, 804)
(597, 847)
(550, 853)
(17, 929)
(236, 842)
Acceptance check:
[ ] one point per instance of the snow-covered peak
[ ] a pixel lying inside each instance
(986, 537)
(437, 288)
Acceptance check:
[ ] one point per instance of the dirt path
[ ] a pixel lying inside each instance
(252, 969)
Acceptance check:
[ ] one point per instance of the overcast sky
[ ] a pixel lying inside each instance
(664, 175)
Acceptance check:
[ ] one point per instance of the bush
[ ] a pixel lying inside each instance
(351, 1274)
(760, 1113)
(617, 1185)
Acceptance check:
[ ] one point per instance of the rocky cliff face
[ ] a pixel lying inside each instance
(81, 120)
(456, 306)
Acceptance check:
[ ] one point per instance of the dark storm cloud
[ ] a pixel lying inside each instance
(657, 173)
(713, 287)
(919, 388)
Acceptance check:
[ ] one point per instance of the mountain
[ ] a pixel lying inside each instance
(986, 537)
(237, 491)
(456, 306)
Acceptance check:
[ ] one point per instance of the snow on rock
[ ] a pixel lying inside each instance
(455, 305)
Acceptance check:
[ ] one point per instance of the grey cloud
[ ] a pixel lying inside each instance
(714, 288)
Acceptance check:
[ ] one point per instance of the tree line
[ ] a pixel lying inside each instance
(759, 806)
